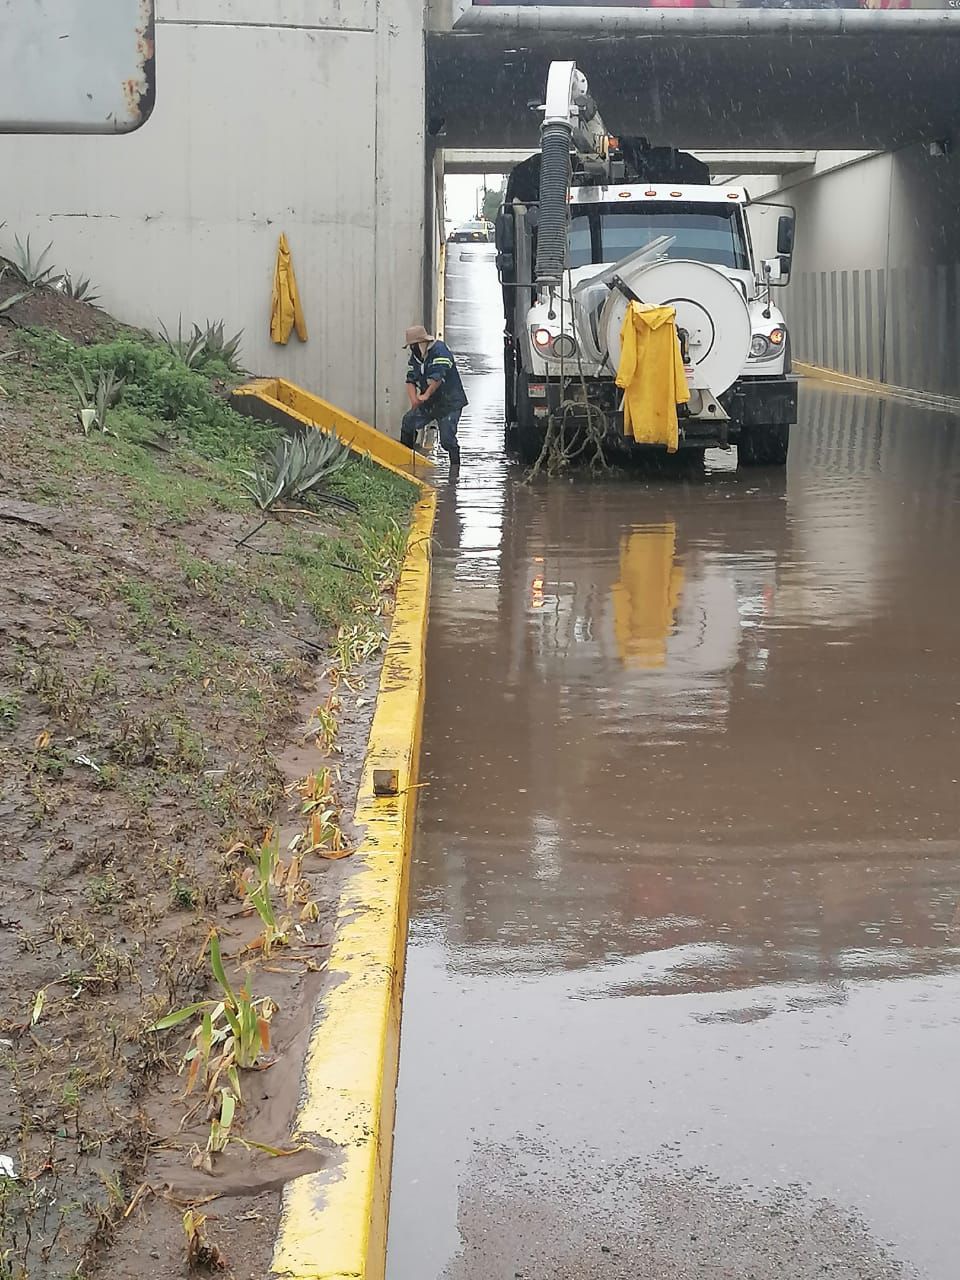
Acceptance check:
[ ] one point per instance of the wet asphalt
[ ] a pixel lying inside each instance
(683, 986)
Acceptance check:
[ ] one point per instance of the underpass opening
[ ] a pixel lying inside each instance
(794, 115)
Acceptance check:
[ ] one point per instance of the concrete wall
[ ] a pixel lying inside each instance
(296, 116)
(876, 282)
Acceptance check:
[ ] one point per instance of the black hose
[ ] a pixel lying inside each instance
(554, 183)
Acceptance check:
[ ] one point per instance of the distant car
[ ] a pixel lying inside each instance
(471, 232)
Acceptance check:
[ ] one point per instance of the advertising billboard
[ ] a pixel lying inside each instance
(725, 4)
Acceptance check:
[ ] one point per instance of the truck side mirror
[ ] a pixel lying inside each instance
(503, 231)
(776, 271)
(785, 228)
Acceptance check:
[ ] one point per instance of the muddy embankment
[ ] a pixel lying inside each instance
(183, 712)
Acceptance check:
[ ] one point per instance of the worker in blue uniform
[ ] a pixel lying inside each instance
(435, 391)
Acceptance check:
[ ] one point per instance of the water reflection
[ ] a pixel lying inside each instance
(646, 595)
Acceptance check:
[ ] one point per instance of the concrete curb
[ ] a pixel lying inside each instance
(334, 1223)
(947, 404)
(286, 404)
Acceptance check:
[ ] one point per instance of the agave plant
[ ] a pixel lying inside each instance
(81, 289)
(96, 398)
(30, 269)
(300, 464)
(14, 298)
(219, 347)
(190, 349)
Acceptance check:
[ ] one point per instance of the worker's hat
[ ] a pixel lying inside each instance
(417, 333)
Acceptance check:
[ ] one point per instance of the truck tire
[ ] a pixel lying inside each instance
(528, 438)
(765, 446)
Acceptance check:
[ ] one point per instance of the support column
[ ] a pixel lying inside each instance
(400, 198)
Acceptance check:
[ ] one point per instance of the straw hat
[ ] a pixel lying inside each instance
(417, 333)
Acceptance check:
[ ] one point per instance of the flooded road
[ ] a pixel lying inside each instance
(683, 988)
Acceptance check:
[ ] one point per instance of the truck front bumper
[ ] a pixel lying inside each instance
(762, 402)
(750, 402)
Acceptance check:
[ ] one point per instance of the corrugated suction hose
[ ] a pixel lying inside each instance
(555, 141)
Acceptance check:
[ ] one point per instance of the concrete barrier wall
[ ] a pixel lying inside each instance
(875, 291)
(295, 116)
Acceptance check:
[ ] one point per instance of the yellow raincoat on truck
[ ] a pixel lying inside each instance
(651, 375)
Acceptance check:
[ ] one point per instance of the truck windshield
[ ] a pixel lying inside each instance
(711, 234)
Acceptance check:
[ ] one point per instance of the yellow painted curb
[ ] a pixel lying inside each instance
(871, 387)
(334, 1223)
(310, 410)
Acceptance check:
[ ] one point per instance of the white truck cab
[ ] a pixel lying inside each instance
(621, 237)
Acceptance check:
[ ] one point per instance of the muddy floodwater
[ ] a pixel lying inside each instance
(683, 989)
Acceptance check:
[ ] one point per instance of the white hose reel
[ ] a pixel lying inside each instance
(710, 308)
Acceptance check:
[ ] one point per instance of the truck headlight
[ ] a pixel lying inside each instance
(764, 346)
(561, 346)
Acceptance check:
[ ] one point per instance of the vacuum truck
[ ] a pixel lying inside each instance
(594, 222)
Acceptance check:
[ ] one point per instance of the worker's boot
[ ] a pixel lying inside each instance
(455, 458)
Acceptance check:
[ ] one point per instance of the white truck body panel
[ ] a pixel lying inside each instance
(554, 312)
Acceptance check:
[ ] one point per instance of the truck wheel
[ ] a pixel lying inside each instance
(765, 446)
(528, 437)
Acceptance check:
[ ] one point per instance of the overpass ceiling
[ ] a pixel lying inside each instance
(480, 160)
(875, 90)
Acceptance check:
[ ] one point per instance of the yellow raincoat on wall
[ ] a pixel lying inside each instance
(651, 375)
(285, 311)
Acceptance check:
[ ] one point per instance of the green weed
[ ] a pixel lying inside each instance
(105, 891)
(256, 887)
(232, 1033)
(9, 711)
(203, 575)
(327, 724)
(184, 896)
(188, 751)
(145, 599)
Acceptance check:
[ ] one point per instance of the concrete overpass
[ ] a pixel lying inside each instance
(782, 83)
(492, 160)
